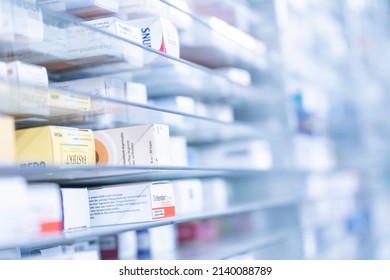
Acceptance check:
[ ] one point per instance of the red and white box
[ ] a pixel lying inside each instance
(160, 34)
(131, 203)
(45, 205)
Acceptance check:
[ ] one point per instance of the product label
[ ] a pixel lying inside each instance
(69, 101)
(160, 34)
(90, 46)
(158, 213)
(73, 147)
(120, 204)
(74, 154)
(162, 200)
(33, 164)
(130, 203)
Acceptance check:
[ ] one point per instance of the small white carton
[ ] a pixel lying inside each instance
(127, 245)
(15, 222)
(160, 34)
(89, 46)
(216, 194)
(150, 245)
(134, 145)
(6, 22)
(31, 95)
(131, 203)
(75, 208)
(136, 92)
(184, 104)
(218, 111)
(31, 83)
(166, 233)
(179, 154)
(27, 74)
(188, 195)
(4, 88)
(45, 205)
(237, 75)
(3, 71)
(27, 22)
(100, 86)
(252, 154)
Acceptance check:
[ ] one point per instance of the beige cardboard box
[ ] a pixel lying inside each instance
(55, 145)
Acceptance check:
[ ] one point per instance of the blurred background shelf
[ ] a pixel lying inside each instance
(89, 176)
(282, 106)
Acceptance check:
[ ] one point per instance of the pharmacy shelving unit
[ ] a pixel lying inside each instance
(271, 192)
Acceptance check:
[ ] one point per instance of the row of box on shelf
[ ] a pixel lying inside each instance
(162, 242)
(33, 99)
(181, 238)
(135, 145)
(60, 48)
(143, 145)
(29, 211)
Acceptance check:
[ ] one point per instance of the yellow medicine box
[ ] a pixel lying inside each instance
(55, 145)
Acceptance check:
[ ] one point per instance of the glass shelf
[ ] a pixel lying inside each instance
(100, 175)
(82, 234)
(224, 45)
(33, 107)
(180, 79)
